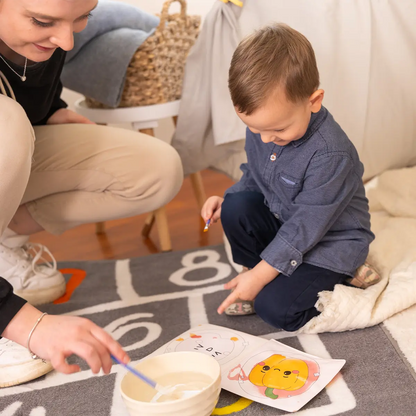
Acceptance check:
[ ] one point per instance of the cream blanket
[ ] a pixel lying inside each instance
(392, 197)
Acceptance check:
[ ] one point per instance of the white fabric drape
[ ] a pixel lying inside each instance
(367, 61)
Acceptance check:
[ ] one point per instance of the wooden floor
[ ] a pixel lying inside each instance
(123, 238)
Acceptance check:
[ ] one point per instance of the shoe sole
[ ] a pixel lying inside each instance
(40, 297)
(13, 375)
(230, 311)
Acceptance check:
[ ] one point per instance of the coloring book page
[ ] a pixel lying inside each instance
(264, 371)
(225, 345)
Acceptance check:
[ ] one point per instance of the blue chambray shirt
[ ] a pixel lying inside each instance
(314, 187)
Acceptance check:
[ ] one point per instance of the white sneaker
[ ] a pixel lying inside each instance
(17, 366)
(37, 283)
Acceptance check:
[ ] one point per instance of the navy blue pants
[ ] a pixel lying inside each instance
(286, 302)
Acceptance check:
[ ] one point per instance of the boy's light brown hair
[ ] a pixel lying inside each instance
(274, 56)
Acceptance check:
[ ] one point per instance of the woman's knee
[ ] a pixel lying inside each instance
(137, 167)
(17, 133)
(17, 144)
(155, 172)
(170, 176)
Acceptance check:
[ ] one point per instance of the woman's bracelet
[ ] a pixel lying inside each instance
(34, 356)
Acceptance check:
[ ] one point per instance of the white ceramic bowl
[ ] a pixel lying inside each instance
(136, 394)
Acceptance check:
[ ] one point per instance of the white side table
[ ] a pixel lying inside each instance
(144, 119)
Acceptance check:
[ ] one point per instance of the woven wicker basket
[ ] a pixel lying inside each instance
(155, 73)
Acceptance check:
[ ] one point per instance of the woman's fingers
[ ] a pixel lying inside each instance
(58, 337)
(89, 353)
(112, 346)
(59, 363)
(89, 349)
(103, 355)
(95, 348)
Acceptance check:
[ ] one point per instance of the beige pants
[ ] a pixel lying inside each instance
(74, 174)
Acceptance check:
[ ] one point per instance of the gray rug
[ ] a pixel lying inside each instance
(146, 302)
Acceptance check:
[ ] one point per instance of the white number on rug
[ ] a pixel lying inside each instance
(120, 326)
(211, 261)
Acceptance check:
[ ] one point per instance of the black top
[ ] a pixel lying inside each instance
(10, 304)
(40, 94)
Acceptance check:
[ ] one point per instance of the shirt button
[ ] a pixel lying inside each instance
(293, 263)
(276, 216)
(273, 157)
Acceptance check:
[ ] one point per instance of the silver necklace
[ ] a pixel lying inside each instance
(22, 77)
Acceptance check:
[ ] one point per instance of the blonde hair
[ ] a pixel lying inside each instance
(273, 56)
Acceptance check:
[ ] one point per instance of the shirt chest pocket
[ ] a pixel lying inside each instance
(287, 187)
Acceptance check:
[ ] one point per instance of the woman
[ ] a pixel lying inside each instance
(59, 170)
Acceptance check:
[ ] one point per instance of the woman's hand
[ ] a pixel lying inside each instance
(65, 116)
(57, 337)
(212, 209)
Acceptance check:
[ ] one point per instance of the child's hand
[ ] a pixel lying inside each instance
(246, 287)
(212, 209)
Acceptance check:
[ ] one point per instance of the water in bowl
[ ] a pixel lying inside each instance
(180, 385)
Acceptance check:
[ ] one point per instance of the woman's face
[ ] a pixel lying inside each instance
(35, 28)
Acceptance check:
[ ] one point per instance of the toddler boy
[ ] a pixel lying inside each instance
(298, 219)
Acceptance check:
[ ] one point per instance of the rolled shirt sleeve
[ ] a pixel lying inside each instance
(328, 188)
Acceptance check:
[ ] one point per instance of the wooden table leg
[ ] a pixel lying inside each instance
(150, 220)
(158, 216)
(99, 227)
(198, 187)
(163, 229)
(148, 224)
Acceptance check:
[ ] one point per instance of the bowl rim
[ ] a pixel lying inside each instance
(214, 381)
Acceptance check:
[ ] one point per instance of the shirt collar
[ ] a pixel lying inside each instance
(316, 120)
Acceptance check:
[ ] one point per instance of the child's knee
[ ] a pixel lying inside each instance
(270, 313)
(240, 205)
(278, 319)
(276, 314)
(228, 209)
